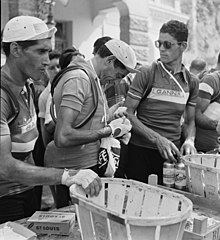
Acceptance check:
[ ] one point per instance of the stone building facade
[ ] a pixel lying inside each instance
(81, 22)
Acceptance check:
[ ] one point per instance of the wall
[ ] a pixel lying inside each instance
(159, 14)
(4, 12)
(204, 28)
(95, 18)
(77, 11)
(86, 28)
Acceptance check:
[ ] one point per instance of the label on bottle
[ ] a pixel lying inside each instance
(180, 178)
(168, 176)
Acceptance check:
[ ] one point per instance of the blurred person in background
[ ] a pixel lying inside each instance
(208, 113)
(198, 67)
(217, 67)
(47, 127)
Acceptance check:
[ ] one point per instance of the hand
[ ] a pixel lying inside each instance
(120, 112)
(114, 108)
(86, 178)
(188, 147)
(125, 138)
(167, 149)
(120, 126)
(218, 127)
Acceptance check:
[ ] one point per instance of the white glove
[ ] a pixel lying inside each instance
(218, 127)
(120, 112)
(120, 126)
(125, 138)
(113, 109)
(82, 177)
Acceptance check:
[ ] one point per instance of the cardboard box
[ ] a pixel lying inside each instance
(12, 231)
(201, 228)
(59, 223)
(211, 234)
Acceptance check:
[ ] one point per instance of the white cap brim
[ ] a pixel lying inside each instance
(25, 28)
(132, 70)
(44, 35)
(124, 53)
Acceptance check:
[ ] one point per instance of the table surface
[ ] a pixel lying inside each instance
(204, 206)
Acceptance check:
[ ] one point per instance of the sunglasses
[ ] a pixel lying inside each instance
(166, 44)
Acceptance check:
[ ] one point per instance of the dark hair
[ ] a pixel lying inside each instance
(176, 29)
(105, 52)
(6, 48)
(66, 56)
(99, 42)
(54, 54)
(218, 59)
(23, 44)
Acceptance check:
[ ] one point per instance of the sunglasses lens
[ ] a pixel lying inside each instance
(157, 43)
(167, 44)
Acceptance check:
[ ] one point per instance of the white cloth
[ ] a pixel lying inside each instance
(83, 177)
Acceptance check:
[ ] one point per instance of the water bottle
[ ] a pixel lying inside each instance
(168, 174)
(180, 176)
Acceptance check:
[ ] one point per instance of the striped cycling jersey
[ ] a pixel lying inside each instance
(209, 89)
(162, 109)
(23, 133)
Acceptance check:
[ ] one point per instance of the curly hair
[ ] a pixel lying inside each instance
(176, 29)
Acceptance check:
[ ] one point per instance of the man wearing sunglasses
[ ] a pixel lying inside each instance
(156, 132)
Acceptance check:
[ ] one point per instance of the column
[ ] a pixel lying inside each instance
(134, 25)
